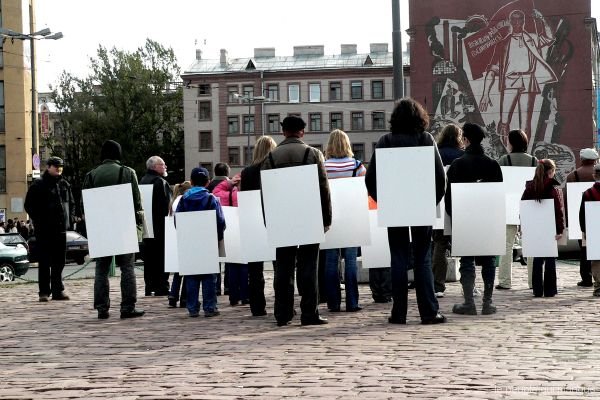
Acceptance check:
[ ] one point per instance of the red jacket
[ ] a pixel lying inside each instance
(551, 191)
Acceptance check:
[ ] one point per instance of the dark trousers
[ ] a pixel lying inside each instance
(155, 277)
(287, 259)
(380, 282)
(256, 288)
(176, 287)
(544, 285)
(128, 284)
(441, 244)
(51, 250)
(322, 288)
(585, 265)
(238, 282)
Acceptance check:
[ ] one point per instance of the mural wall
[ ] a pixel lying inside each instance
(507, 65)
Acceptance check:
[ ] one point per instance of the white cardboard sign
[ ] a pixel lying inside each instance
(292, 206)
(574, 192)
(233, 251)
(146, 192)
(106, 208)
(406, 186)
(478, 219)
(171, 256)
(592, 229)
(253, 233)
(350, 211)
(514, 184)
(377, 254)
(538, 228)
(197, 245)
(441, 217)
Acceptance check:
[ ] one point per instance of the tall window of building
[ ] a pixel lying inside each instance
(248, 123)
(248, 91)
(2, 169)
(204, 89)
(314, 92)
(273, 92)
(359, 150)
(378, 120)
(356, 90)
(208, 166)
(248, 155)
(293, 93)
(358, 121)
(335, 121)
(204, 111)
(231, 91)
(204, 140)
(335, 91)
(233, 155)
(377, 92)
(273, 123)
(233, 125)
(315, 122)
(2, 119)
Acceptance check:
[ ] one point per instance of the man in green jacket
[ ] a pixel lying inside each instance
(112, 172)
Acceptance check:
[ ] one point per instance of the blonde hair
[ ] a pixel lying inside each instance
(263, 146)
(338, 145)
(179, 190)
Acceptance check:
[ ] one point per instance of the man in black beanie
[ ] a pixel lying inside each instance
(112, 172)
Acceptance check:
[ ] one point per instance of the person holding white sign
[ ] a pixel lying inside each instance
(408, 123)
(592, 194)
(544, 186)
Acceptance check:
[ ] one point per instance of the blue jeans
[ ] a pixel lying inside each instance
(332, 278)
(488, 269)
(209, 294)
(400, 249)
(238, 282)
(546, 284)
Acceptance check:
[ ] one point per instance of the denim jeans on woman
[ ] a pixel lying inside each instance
(332, 278)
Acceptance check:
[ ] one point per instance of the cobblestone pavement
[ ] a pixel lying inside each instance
(534, 348)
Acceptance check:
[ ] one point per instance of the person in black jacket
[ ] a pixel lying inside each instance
(474, 166)
(155, 278)
(408, 123)
(50, 204)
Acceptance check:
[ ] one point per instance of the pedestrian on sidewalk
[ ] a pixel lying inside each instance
(592, 194)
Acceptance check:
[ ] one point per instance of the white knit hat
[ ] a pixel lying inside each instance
(588, 154)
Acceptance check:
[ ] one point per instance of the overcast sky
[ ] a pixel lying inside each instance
(236, 25)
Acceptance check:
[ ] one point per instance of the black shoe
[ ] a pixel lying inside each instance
(399, 321)
(233, 303)
(161, 293)
(585, 284)
(209, 314)
(411, 285)
(103, 314)
(354, 309)
(245, 302)
(334, 309)
(172, 303)
(259, 313)
(502, 287)
(132, 314)
(283, 322)
(438, 319)
(60, 296)
(182, 304)
(382, 300)
(318, 320)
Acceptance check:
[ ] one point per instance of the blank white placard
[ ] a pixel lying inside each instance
(146, 193)
(292, 205)
(574, 192)
(592, 229)
(478, 219)
(233, 251)
(350, 210)
(377, 254)
(514, 179)
(406, 186)
(197, 242)
(110, 220)
(538, 228)
(171, 256)
(253, 233)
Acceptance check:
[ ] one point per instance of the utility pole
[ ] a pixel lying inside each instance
(397, 51)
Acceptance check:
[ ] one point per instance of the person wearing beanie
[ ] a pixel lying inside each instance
(111, 172)
(592, 194)
(50, 204)
(474, 166)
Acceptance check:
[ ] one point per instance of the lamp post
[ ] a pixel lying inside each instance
(45, 34)
(250, 100)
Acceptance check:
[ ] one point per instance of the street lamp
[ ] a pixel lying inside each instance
(45, 34)
(250, 100)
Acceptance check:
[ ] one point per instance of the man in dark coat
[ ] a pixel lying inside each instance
(49, 202)
(155, 278)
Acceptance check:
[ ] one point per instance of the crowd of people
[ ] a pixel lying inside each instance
(422, 249)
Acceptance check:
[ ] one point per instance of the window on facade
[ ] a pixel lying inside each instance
(204, 140)
(233, 125)
(204, 111)
(231, 91)
(358, 121)
(294, 93)
(273, 123)
(273, 92)
(335, 91)
(208, 166)
(2, 119)
(2, 169)
(248, 91)
(315, 122)
(356, 90)
(359, 150)
(314, 92)
(378, 120)
(248, 155)
(248, 123)
(377, 90)
(204, 89)
(233, 155)
(335, 121)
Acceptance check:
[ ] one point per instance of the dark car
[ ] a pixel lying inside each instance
(77, 248)
(13, 262)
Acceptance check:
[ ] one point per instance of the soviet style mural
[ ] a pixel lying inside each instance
(507, 65)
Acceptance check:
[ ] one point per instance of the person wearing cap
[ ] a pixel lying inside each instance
(585, 173)
(474, 166)
(112, 172)
(50, 204)
(592, 194)
(198, 198)
(292, 152)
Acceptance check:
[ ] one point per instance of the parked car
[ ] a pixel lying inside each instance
(13, 262)
(77, 248)
(13, 240)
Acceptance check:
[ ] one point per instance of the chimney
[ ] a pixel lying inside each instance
(198, 54)
(223, 58)
(318, 50)
(379, 47)
(264, 52)
(348, 49)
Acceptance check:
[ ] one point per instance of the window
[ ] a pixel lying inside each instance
(273, 123)
(377, 90)
(358, 121)
(204, 89)
(233, 125)
(273, 92)
(314, 92)
(378, 120)
(204, 140)
(231, 90)
(208, 166)
(204, 111)
(248, 123)
(356, 90)
(248, 155)
(2, 169)
(335, 91)
(234, 156)
(335, 121)
(359, 150)
(294, 93)
(248, 91)
(2, 120)
(315, 122)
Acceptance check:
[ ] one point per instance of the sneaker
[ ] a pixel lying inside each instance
(439, 295)
(61, 296)
(476, 292)
(438, 319)
(43, 298)
(209, 314)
